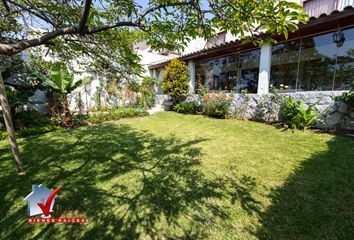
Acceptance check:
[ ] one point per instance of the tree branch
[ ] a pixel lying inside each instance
(107, 27)
(14, 48)
(11, 49)
(30, 11)
(157, 7)
(84, 16)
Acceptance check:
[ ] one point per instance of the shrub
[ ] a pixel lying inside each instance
(187, 107)
(175, 81)
(348, 98)
(145, 101)
(32, 118)
(295, 115)
(147, 89)
(31, 131)
(3, 135)
(117, 114)
(217, 105)
(80, 120)
(37, 130)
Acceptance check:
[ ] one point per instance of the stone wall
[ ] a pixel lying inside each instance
(334, 114)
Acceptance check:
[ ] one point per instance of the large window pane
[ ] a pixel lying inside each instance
(218, 74)
(249, 70)
(285, 58)
(345, 67)
(230, 73)
(317, 63)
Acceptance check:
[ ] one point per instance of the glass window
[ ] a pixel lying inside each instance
(317, 63)
(218, 74)
(249, 71)
(230, 73)
(345, 62)
(285, 58)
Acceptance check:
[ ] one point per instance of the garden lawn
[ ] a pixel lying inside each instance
(174, 176)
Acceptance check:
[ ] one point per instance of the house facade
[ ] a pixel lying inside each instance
(315, 63)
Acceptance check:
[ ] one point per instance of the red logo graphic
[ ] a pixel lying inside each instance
(41, 201)
(46, 208)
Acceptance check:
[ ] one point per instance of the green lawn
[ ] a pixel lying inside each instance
(175, 176)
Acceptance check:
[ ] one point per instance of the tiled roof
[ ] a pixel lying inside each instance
(312, 20)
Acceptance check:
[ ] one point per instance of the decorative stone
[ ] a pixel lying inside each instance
(333, 119)
(352, 115)
(322, 108)
(349, 124)
(331, 109)
(326, 100)
(321, 123)
(342, 107)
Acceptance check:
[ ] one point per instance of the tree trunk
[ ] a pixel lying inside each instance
(53, 103)
(68, 119)
(10, 127)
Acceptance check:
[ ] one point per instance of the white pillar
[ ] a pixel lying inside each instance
(191, 67)
(264, 69)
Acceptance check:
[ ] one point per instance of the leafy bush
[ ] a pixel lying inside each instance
(37, 130)
(145, 101)
(147, 89)
(80, 120)
(295, 115)
(31, 131)
(187, 107)
(175, 81)
(117, 114)
(217, 105)
(32, 118)
(3, 135)
(348, 98)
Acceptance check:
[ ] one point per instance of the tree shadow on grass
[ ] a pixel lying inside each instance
(130, 184)
(317, 200)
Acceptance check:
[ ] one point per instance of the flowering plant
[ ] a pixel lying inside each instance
(217, 104)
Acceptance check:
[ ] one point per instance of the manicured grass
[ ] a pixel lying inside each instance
(174, 176)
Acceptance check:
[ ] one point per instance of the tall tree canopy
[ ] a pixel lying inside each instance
(169, 23)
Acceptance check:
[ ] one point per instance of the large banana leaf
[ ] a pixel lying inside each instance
(61, 77)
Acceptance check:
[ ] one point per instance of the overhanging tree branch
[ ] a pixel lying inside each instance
(14, 48)
(157, 7)
(84, 16)
(11, 49)
(107, 27)
(31, 11)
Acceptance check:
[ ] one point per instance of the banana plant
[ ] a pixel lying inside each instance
(63, 81)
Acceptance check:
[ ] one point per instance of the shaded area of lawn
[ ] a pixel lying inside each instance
(317, 199)
(129, 183)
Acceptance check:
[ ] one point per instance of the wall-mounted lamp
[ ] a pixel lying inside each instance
(338, 38)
